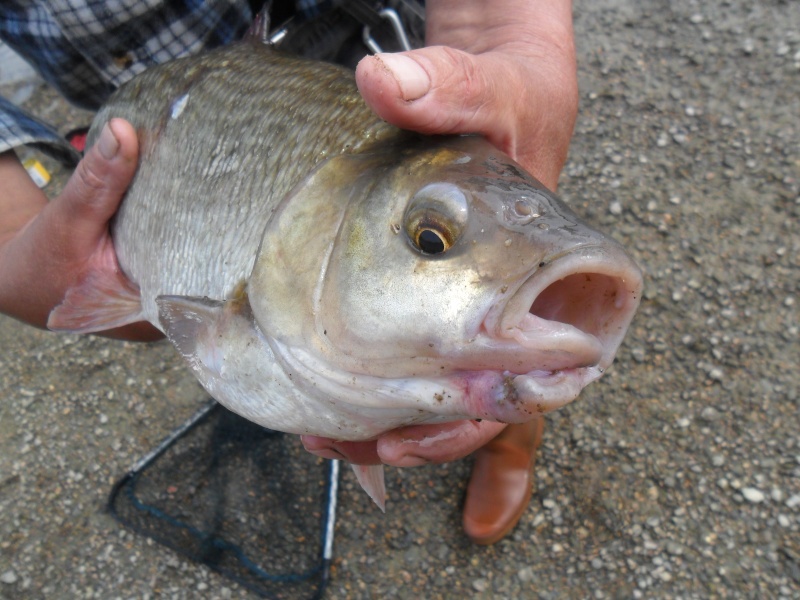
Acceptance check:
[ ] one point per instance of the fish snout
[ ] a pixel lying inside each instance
(565, 323)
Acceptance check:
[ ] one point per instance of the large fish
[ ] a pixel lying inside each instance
(325, 273)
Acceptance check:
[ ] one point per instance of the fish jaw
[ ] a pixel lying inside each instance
(563, 326)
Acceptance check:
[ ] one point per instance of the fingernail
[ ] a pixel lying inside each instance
(107, 144)
(413, 80)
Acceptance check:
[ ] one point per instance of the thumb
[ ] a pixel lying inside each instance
(438, 90)
(93, 193)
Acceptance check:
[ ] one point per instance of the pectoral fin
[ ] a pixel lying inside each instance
(104, 300)
(195, 326)
(371, 479)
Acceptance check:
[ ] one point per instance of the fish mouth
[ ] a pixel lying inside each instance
(562, 326)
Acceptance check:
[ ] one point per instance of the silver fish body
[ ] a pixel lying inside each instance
(325, 273)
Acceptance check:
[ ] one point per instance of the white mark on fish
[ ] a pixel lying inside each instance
(178, 106)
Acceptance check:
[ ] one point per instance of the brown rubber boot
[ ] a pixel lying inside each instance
(501, 483)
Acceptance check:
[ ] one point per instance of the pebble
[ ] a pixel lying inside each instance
(753, 495)
(8, 577)
(480, 585)
(525, 574)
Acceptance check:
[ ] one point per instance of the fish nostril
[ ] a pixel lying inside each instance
(587, 301)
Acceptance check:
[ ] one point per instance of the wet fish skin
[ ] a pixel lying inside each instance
(270, 231)
(266, 132)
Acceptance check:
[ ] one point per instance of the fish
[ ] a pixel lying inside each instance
(323, 272)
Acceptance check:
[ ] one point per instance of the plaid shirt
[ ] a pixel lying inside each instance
(88, 48)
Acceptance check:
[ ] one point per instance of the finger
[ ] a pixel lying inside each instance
(359, 453)
(439, 90)
(423, 444)
(96, 188)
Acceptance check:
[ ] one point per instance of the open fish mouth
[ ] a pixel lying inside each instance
(562, 326)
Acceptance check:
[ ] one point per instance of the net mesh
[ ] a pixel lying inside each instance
(248, 502)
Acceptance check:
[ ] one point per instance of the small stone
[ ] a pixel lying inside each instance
(793, 501)
(753, 495)
(696, 18)
(615, 208)
(716, 374)
(8, 577)
(674, 548)
(525, 574)
(480, 585)
(783, 520)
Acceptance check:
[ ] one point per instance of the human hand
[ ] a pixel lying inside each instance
(48, 247)
(410, 446)
(505, 70)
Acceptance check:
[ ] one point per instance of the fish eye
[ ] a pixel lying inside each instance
(431, 241)
(435, 218)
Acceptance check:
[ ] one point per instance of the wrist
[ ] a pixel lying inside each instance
(20, 198)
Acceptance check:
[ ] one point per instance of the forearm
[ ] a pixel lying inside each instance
(20, 199)
(20, 202)
(493, 24)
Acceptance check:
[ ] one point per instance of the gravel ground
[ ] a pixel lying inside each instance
(676, 476)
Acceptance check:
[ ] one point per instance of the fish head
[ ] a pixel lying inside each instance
(445, 263)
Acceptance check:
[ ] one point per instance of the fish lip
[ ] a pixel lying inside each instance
(586, 349)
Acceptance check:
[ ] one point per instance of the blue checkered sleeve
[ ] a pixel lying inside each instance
(88, 48)
(18, 128)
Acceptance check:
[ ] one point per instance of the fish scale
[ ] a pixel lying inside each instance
(289, 140)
